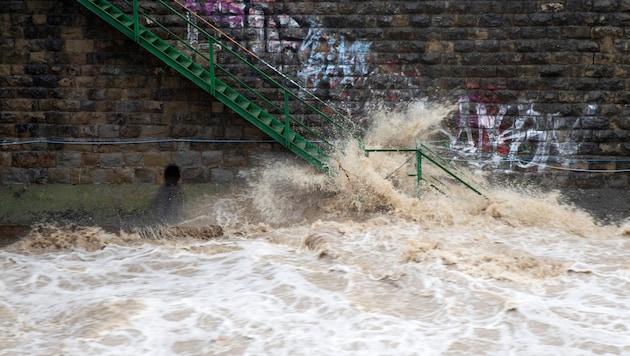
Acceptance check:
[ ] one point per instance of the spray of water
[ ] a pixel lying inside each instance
(347, 263)
(364, 187)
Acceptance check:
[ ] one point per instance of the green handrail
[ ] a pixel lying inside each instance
(433, 158)
(274, 119)
(354, 130)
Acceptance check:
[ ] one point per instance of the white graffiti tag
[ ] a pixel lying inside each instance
(333, 60)
(526, 143)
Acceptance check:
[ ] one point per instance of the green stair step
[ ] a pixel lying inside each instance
(146, 34)
(176, 56)
(255, 111)
(196, 69)
(172, 52)
(118, 16)
(162, 46)
(127, 22)
(185, 61)
(151, 39)
(277, 128)
(314, 152)
(300, 142)
(105, 7)
(265, 118)
(205, 76)
(243, 102)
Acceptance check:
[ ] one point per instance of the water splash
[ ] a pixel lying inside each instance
(345, 264)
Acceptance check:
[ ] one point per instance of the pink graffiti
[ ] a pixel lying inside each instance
(482, 116)
(229, 12)
(327, 60)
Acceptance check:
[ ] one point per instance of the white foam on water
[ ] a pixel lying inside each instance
(347, 264)
(324, 288)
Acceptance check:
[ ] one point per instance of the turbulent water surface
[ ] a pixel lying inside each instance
(347, 264)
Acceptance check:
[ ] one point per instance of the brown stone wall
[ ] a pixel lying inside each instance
(540, 88)
(118, 114)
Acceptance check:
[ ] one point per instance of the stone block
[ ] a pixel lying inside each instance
(89, 159)
(25, 159)
(234, 132)
(67, 131)
(133, 159)
(109, 131)
(79, 45)
(605, 5)
(180, 131)
(161, 94)
(59, 176)
(101, 176)
(14, 175)
(113, 176)
(212, 158)
(130, 131)
(47, 159)
(144, 175)
(400, 21)
(69, 159)
(112, 160)
(235, 158)
(217, 107)
(8, 130)
(36, 69)
(168, 146)
(141, 148)
(5, 159)
(222, 176)
(194, 175)
(157, 159)
(187, 158)
(154, 131)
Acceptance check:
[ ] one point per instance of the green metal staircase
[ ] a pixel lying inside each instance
(275, 120)
(302, 122)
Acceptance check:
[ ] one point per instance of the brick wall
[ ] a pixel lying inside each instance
(65, 75)
(540, 88)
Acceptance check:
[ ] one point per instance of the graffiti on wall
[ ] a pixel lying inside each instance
(525, 140)
(486, 130)
(332, 60)
(228, 12)
(327, 61)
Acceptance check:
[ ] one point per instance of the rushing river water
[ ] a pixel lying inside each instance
(310, 264)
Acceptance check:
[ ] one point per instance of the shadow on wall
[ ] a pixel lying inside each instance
(169, 200)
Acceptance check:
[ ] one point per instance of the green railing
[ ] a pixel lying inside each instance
(295, 98)
(422, 151)
(254, 91)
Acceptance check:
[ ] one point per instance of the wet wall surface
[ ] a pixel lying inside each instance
(112, 207)
(534, 85)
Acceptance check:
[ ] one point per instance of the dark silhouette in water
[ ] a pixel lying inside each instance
(169, 201)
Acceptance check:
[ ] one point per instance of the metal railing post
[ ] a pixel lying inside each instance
(136, 29)
(211, 64)
(287, 118)
(419, 172)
